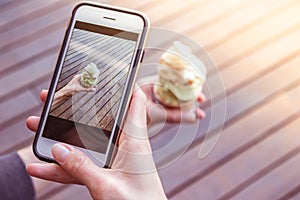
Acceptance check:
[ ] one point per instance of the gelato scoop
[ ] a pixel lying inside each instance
(181, 77)
(89, 75)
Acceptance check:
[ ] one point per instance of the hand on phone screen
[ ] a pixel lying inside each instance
(70, 89)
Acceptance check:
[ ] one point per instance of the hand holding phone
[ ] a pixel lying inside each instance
(132, 175)
(92, 82)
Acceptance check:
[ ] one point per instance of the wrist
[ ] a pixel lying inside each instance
(66, 91)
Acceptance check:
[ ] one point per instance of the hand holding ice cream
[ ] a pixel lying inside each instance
(181, 77)
(89, 75)
(73, 87)
(156, 113)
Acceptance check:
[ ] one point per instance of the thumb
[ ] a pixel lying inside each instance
(76, 163)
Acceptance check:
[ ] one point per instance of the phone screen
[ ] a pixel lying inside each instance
(90, 85)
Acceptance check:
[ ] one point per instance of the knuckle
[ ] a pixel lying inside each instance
(77, 164)
(174, 118)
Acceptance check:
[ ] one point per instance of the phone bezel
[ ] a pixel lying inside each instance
(45, 143)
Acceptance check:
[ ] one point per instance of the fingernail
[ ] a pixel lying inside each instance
(202, 114)
(190, 116)
(60, 152)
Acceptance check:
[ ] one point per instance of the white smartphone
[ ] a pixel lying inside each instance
(93, 81)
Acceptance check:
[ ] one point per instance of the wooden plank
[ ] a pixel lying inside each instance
(293, 195)
(4, 4)
(35, 28)
(245, 165)
(71, 192)
(252, 65)
(37, 87)
(16, 11)
(205, 15)
(178, 12)
(288, 20)
(15, 130)
(239, 21)
(108, 111)
(109, 122)
(32, 11)
(14, 135)
(166, 41)
(277, 181)
(296, 197)
(21, 103)
(161, 7)
(235, 138)
(41, 44)
(25, 76)
(139, 5)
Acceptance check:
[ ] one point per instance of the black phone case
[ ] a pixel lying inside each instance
(127, 91)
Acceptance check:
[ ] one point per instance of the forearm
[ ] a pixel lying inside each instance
(62, 95)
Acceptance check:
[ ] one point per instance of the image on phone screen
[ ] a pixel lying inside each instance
(90, 85)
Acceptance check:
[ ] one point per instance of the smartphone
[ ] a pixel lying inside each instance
(93, 81)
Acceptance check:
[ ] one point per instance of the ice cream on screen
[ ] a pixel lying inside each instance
(89, 75)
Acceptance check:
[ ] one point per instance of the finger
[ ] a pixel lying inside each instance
(77, 164)
(134, 136)
(200, 114)
(201, 98)
(135, 123)
(50, 172)
(43, 95)
(77, 76)
(137, 109)
(178, 116)
(91, 89)
(134, 153)
(32, 123)
(148, 89)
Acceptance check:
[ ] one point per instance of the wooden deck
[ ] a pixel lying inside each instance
(255, 46)
(112, 56)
